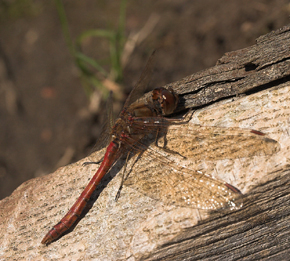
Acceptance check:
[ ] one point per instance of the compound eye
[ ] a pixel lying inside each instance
(165, 100)
(168, 102)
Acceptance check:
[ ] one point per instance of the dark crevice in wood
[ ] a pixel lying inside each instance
(268, 85)
(208, 85)
(250, 67)
(259, 68)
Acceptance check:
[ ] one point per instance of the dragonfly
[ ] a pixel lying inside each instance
(175, 184)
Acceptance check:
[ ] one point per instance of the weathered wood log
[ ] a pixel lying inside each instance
(138, 227)
(245, 71)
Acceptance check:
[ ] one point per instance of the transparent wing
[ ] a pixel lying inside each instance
(163, 179)
(108, 122)
(213, 143)
(142, 83)
(207, 142)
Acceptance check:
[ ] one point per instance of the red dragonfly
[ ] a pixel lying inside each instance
(128, 135)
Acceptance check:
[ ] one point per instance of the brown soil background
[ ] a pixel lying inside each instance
(42, 101)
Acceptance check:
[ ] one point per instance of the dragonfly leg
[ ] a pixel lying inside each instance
(123, 178)
(157, 137)
(92, 162)
(187, 117)
(184, 120)
(165, 144)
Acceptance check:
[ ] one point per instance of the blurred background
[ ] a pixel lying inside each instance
(59, 59)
